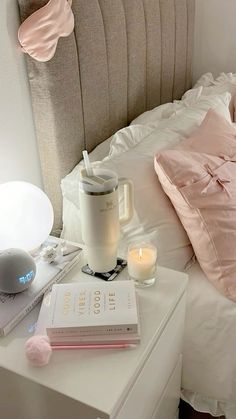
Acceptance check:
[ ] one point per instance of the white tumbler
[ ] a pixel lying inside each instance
(100, 220)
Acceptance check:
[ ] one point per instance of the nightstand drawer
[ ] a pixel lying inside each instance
(154, 376)
(168, 405)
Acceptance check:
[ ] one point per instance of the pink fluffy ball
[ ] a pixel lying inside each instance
(38, 350)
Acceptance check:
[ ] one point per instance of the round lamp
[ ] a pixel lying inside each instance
(26, 216)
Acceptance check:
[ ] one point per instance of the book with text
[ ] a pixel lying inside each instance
(14, 307)
(93, 312)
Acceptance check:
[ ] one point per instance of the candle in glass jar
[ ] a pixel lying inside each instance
(142, 263)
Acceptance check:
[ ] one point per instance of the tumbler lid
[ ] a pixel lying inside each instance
(101, 181)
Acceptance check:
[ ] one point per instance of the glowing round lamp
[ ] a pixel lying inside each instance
(26, 216)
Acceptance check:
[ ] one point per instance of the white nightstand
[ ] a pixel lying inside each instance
(139, 383)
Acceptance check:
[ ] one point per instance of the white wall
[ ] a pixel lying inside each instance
(215, 37)
(18, 150)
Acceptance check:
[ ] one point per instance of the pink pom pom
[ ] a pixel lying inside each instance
(38, 350)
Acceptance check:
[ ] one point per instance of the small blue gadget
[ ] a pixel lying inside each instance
(17, 270)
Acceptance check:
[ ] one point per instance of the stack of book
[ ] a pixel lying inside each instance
(90, 314)
(14, 307)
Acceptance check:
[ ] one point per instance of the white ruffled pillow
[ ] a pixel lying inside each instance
(223, 83)
(155, 218)
(194, 104)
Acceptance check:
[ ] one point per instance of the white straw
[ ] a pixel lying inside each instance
(87, 163)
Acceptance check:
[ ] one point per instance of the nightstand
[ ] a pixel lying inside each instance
(138, 383)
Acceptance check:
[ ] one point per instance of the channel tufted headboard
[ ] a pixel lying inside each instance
(123, 58)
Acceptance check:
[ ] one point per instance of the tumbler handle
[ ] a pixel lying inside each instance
(128, 200)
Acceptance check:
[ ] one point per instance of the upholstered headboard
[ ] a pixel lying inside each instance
(123, 58)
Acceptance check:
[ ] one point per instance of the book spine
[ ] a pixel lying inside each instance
(127, 329)
(21, 315)
(106, 341)
(96, 346)
(6, 329)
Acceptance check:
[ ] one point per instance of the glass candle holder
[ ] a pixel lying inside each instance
(141, 259)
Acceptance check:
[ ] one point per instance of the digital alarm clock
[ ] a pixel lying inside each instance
(17, 270)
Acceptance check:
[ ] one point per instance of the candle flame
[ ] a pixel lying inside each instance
(140, 254)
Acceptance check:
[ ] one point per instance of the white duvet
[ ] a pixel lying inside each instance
(209, 361)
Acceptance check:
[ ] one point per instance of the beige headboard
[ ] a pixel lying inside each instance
(123, 58)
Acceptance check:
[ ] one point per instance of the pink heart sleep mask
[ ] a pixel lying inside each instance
(40, 32)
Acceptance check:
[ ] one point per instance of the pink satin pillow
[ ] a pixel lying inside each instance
(40, 32)
(200, 179)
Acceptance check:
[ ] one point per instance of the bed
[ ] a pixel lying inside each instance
(125, 63)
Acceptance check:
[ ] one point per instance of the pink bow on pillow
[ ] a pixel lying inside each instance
(40, 32)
